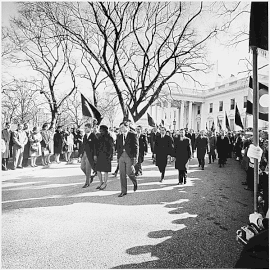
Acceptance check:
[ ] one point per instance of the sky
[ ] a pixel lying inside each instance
(227, 60)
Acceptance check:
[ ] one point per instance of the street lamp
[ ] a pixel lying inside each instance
(174, 123)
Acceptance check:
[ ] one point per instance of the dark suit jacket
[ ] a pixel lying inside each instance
(163, 147)
(89, 146)
(182, 152)
(202, 146)
(153, 139)
(131, 145)
(142, 144)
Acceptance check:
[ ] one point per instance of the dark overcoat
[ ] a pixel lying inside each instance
(162, 148)
(182, 153)
(58, 142)
(89, 147)
(212, 145)
(201, 146)
(104, 152)
(222, 147)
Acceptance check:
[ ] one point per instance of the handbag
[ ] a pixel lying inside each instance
(34, 148)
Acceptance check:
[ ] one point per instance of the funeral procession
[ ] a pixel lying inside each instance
(134, 135)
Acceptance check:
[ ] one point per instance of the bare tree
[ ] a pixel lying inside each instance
(46, 50)
(145, 46)
(19, 102)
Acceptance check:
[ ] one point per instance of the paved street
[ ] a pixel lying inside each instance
(49, 221)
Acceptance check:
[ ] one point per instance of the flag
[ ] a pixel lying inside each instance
(263, 100)
(90, 110)
(237, 118)
(162, 123)
(213, 127)
(258, 25)
(206, 126)
(227, 122)
(151, 122)
(219, 124)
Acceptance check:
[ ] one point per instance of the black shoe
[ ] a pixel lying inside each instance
(135, 187)
(122, 194)
(180, 183)
(91, 178)
(202, 168)
(86, 185)
(161, 180)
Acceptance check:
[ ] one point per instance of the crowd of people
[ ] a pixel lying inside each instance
(95, 146)
(68, 144)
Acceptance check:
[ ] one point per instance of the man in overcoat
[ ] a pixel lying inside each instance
(162, 149)
(182, 154)
(20, 140)
(222, 149)
(27, 146)
(153, 135)
(142, 150)
(88, 153)
(212, 147)
(202, 147)
(7, 137)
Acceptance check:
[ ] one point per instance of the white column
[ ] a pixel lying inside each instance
(156, 114)
(190, 115)
(182, 106)
(203, 117)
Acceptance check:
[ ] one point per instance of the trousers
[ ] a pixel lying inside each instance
(126, 168)
(86, 167)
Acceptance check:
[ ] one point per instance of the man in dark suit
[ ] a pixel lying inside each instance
(202, 148)
(127, 155)
(142, 150)
(154, 133)
(182, 154)
(162, 148)
(88, 153)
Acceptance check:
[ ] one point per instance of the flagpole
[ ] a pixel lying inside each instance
(255, 122)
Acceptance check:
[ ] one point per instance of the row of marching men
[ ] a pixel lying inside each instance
(131, 147)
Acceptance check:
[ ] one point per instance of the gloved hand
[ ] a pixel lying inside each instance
(253, 218)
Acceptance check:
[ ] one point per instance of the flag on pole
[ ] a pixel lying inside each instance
(90, 110)
(258, 26)
(237, 118)
(227, 122)
(206, 126)
(213, 127)
(219, 124)
(151, 122)
(162, 123)
(263, 100)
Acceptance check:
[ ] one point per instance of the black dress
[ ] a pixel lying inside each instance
(58, 142)
(104, 153)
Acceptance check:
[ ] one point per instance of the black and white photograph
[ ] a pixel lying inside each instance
(134, 135)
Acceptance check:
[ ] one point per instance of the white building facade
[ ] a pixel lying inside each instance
(198, 109)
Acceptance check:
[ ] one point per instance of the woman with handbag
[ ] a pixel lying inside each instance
(35, 147)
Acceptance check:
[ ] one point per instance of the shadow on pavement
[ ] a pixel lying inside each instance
(208, 215)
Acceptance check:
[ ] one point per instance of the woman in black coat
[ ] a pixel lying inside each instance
(182, 154)
(58, 143)
(104, 155)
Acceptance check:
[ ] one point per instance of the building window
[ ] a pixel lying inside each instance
(199, 109)
(232, 104)
(221, 106)
(211, 108)
(245, 101)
